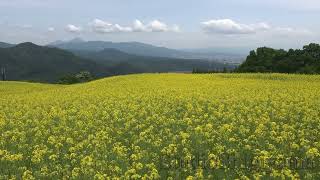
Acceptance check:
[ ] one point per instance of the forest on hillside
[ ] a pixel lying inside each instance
(264, 59)
(30, 62)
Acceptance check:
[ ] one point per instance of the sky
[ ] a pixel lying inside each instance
(180, 24)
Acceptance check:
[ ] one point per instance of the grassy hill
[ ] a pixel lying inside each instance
(134, 126)
(30, 62)
(5, 45)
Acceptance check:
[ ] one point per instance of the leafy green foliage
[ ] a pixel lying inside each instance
(306, 61)
(81, 77)
(30, 62)
(201, 71)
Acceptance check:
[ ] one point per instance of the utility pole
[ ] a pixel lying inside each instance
(3, 73)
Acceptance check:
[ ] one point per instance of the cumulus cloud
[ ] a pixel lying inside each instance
(157, 26)
(154, 26)
(230, 27)
(138, 26)
(100, 26)
(261, 26)
(73, 29)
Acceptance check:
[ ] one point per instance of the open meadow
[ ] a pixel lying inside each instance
(156, 126)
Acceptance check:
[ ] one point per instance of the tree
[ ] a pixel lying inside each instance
(84, 76)
(313, 50)
(81, 77)
(266, 59)
(3, 73)
(224, 70)
(68, 79)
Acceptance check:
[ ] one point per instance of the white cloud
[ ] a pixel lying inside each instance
(261, 26)
(138, 26)
(73, 29)
(230, 27)
(51, 29)
(100, 26)
(157, 26)
(119, 28)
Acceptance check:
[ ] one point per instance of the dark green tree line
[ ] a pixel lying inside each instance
(306, 60)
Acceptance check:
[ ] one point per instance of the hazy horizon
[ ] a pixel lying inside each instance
(222, 25)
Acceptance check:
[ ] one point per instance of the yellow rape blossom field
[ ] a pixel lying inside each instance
(163, 126)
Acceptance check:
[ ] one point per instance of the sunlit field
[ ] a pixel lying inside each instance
(156, 126)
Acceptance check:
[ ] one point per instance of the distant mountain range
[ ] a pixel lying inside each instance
(127, 47)
(136, 63)
(31, 62)
(143, 49)
(6, 45)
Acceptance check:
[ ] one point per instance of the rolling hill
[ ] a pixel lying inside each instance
(5, 45)
(31, 62)
(136, 48)
(268, 60)
(124, 63)
(135, 126)
(143, 49)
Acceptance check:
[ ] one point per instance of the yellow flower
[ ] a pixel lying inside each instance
(27, 175)
(313, 152)
(146, 126)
